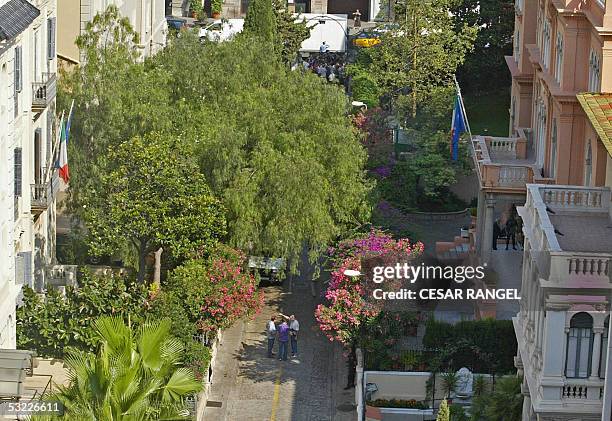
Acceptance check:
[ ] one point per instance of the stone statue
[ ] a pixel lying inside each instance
(465, 379)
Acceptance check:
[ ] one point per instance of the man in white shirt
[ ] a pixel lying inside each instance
(294, 328)
(271, 332)
(323, 48)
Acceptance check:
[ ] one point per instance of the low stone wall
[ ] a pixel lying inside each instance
(205, 393)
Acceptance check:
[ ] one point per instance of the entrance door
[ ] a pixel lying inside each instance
(349, 7)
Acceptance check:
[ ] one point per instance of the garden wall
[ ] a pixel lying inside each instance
(202, 398)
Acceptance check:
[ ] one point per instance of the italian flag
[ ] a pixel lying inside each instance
(64, 173)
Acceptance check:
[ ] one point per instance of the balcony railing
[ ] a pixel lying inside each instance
(62, 275)
(42, 193)
(43, 92)
(505, 163)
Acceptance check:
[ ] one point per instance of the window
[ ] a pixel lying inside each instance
(546, 44)
(602, 3)
(17, 82)
(588, 164)
(17, 168)
(512, 114)
(517, 46)
(579, 346)
(559, 58)
(604, 349)
(51, 38)
(594, 72)
(541, 131)
(553, 148)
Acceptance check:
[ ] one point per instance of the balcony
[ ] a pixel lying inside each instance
(506, 164)
(571, 229)
(43, 93)
(42, 194)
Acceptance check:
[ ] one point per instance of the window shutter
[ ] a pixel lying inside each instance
(18, 70)
(51, 38)
(17, 158)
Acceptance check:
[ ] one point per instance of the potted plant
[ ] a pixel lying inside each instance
(216, 7)
(195, 8)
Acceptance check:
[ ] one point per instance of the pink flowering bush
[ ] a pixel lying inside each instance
(346, 309)
(216, 292)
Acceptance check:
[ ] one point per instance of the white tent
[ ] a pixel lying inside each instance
(325, 27)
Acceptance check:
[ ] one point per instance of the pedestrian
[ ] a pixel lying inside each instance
(511, 232)
(294, 328)
(283, 340)
(271, 332)
(496, 233)
(351, 365)
(324, 47)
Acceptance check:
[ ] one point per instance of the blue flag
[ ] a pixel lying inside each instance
(457, 128)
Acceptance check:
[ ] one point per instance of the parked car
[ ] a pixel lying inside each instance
(221, 29)
(176, 23)
(366, 39)
(269, 269)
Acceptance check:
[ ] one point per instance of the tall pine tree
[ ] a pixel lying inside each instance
(260, 20)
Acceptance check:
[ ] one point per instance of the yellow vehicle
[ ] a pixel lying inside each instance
(366, 40)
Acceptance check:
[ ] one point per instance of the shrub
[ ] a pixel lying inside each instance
(51, 324)
(398, 403)
(485, 346)
(215, 292)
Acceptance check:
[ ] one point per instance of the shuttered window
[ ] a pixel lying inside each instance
(18, 166)
(51, 38)
(18, 70)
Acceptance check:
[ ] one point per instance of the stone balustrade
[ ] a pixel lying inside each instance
(580, 199)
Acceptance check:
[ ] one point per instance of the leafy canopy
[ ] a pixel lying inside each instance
(154, 196)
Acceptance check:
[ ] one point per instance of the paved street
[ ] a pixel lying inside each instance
(250, 386)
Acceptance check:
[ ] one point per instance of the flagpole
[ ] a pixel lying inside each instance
(467, 123)
(57, 141)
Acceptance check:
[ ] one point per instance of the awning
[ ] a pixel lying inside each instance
(598, 108)
(15, 17)
(15, 365)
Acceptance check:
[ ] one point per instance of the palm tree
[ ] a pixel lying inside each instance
(506, 402)
(135, 376)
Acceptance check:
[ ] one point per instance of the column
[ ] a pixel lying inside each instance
(480, 218)
(526, 407)
(487, 241)
(606, 414)
(596, 352)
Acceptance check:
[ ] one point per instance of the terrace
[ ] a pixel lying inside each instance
(506, 164)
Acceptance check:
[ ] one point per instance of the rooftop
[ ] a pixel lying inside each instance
(583, 232)
(598, 108)
(15, 17)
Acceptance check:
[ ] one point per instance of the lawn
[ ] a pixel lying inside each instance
(489, 113)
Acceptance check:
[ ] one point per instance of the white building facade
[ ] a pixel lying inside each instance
(563, 325)
(28, 181)
(147, 17)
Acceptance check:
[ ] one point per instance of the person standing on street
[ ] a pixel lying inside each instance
(271, 332)
(283, 340)
(294, 328)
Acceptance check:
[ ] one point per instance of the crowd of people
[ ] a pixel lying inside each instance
(326, 64)
(286, 332)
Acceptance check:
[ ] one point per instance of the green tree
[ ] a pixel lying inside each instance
(485, 67)
(291, 34)
(52, 324)
(276, 146)
(422, 53)
(153, 196)
(260, 21)
(134, 376)
(443, 412)
(115, 99)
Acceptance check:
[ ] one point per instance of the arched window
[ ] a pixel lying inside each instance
(579, 346)
(588, 165)
(604, 348)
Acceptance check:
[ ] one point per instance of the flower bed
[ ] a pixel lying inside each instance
(398, 403)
